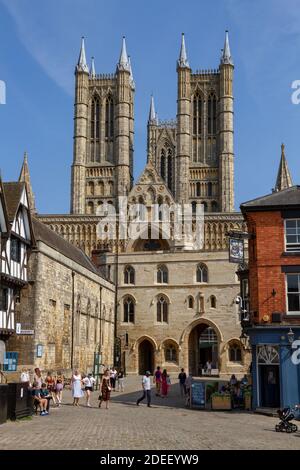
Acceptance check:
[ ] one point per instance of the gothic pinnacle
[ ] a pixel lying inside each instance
(82, 65)
(123, 63)
(226, 55)
(152, 114)
(93, 71)
(183, 60)
(284, 179)
(131, 74)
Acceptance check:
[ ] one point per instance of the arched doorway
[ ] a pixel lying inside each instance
(203, 347)
(146, 357)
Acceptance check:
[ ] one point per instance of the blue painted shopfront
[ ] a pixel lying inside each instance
(276, 379)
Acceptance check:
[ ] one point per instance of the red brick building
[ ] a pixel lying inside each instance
(271, 291)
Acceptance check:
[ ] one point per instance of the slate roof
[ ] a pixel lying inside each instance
(13, 193)
(58, 243)
(289, 197)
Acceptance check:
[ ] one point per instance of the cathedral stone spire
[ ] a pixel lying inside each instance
(82, 65)
(93, 71)
(226, 56)
(183, 60)
(123, 63)
(152, 113)
(284, 179)
(25, 178)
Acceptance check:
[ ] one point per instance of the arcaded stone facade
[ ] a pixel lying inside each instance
(68, 306)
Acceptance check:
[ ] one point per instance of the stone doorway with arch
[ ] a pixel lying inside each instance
(146, 356)
(203, 346)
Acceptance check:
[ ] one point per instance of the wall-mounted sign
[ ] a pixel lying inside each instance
(18, 328)
(236, 250)
(39, 350)
(26, 332)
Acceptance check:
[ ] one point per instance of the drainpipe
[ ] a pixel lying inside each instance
(73, 320)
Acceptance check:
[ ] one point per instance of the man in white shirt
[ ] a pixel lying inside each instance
(146, 384)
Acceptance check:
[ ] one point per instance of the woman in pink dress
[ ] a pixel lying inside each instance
(165, 383)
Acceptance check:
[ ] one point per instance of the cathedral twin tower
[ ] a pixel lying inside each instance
(193, 155)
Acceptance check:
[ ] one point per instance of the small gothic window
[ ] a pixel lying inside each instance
(190, 301)
(209, 189)
(202, 273)
(213, 301)
(235, 353)
(91, 190)
(198, 189)
(194, 207)
(128, 310)
(162, 310)
(129, 275)
(204, 203)
(162, 275)
(214, 206)
(90, 207)
(170, 353)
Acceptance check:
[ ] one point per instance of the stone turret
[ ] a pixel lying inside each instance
(183, 125)
(226, 154)
(123, 123)
(80, 133)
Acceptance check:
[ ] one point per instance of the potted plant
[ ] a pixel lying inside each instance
(221, 401)
(248, 399)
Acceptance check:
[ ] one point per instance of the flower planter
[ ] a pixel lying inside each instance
(247, 400)
(221, 402)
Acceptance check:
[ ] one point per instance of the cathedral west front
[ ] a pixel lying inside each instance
(175, 305)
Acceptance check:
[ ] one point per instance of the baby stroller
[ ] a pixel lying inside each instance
(286, 415)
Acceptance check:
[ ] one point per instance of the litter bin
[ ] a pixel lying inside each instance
(18, 402)
(3, 402)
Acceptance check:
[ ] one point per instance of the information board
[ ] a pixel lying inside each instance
(198, 395)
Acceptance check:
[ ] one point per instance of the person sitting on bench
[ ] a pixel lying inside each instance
(40, 400)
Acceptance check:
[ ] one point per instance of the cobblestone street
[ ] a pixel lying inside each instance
(167, 425)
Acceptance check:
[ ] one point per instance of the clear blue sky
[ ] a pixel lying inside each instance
(39, 45)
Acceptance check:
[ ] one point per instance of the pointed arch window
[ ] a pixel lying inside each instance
(213, 301)
(198, 189)
(129, 310)
(209, 189)
(95, 118)
(212, 114)
(190, 301)
(162, 275)
(129, 275)
(235, 353)
(163, 164)
(197, 114)
(162, 311)
(109, 118)
(169, 170)
(202, 273)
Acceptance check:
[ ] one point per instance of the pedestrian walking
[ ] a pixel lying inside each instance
(182, 379)
(37, 378)
(146, 384)
(113, 377)
(165, 383)
(105, 389)
(59, 388)
(88, 383)
(121, 381)
(157, 381)
(77, 392)
(188, 386)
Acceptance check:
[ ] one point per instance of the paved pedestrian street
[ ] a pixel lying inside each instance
(167, 425)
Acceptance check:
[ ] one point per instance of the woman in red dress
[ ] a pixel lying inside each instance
(165, 383)
(105, 389)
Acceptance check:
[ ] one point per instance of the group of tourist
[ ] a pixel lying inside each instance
(236, 388)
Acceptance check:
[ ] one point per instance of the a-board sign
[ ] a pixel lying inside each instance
(198, 395)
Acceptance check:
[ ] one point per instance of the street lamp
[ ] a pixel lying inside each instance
(291, 336)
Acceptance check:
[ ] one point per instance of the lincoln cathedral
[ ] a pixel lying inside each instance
(173, 305)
